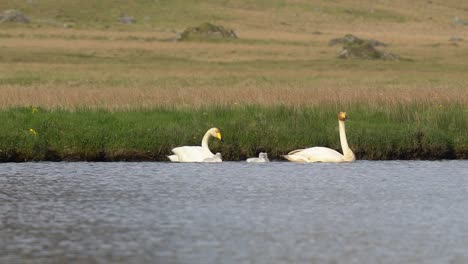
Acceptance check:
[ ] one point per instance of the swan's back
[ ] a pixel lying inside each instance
(191, 154)
(315, 154)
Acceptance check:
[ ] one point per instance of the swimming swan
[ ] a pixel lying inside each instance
(262, 157)
(323, 154)
(196, 153)
(216, 158)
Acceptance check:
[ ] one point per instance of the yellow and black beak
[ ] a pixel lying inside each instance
(218, 136)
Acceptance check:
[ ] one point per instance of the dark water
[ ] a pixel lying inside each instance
(363, 212)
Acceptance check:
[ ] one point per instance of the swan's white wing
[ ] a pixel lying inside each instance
(191, 154)
(173, 158)
(320, 154)
(295, 158)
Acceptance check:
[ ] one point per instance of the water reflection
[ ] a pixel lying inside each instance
(363, 212)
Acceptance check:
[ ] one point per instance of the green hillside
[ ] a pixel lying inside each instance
(300, 15)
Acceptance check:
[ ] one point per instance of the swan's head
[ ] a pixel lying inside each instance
(214, 132)
(263, 155)
(342, 116)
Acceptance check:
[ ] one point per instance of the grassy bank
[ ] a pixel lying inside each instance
(411, 131)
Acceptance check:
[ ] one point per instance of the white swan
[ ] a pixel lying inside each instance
(216, 158)
(262, 157)
(323, 154)
(196, 153)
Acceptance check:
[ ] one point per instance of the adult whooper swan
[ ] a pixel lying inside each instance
(196, 153)
(262, 157)
(322, 154)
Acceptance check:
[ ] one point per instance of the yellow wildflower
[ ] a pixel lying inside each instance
(34, 110)
(32, 132)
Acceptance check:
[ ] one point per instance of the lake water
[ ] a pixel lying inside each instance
(234, 212)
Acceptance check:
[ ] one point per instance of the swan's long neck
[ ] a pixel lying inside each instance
(347, 152)
(204, 142)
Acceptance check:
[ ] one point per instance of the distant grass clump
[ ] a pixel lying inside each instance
(364, 50)
(372, 14)
(404, 132)
(358, 48)
(207, 31)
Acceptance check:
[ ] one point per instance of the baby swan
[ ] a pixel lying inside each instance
(216, 158)
(262, 157)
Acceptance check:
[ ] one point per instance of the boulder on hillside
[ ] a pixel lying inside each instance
(126, 19)
(456, 39)
(360, 48)
(207, 31)
(13, 15)
(365, 51)
(458, 21)
(351, 39)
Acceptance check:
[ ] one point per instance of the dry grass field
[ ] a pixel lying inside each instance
(282, 55)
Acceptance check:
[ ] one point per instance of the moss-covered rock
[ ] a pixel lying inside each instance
(126, 19)
(13, 15)
(207, 31)
(351, 39)
(366, 51)
(358, 48)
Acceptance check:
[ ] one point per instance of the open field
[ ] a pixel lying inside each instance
(281, 58)
(57, 72)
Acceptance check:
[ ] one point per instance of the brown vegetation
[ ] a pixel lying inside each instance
(122, 97)
(276, 60)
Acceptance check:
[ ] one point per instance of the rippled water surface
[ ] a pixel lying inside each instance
(363, 212)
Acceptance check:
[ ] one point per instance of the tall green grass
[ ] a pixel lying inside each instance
(414, 131)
